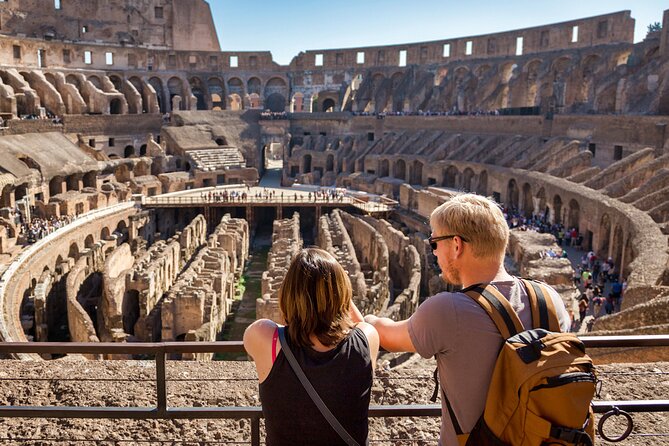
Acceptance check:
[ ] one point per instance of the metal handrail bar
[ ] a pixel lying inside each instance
(238, 346)
(254, 414)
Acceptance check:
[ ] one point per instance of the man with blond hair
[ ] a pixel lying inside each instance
(469, 239)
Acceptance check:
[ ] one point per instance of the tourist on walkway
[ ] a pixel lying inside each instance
(469, 239)
(333, 346)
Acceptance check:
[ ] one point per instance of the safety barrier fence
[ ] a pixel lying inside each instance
(384, 205)
(161, 411)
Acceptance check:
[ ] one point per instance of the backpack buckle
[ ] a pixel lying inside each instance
(571, 436)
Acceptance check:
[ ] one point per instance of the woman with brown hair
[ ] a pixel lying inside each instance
(333, 346)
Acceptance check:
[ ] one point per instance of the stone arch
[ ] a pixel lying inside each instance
(139, 86)
(216, 93)
(116, 106)
(329, 163)
(574, 216)
(235, 102)
(532, 70)
(417, 173)
(297, 103)
(142, 150)
(306, 163)
(175, 86)
(604, 236)
(275, 102)
(104, 233)
(74, 80)
(541, 198)
(254, 101)
(122, 231)
(89, 241)
(585, 90)
(482, 187)
(400, 169)
(450, 177)
(56, 186)
(73, 252)
(129, 151)
(7, 196)
(254, 85)
(557, 209)
(236, 86)
(467, 177)
(157, 85)
(328, 105)
(50, 78)
(130, 311)
(116, 81)
(384, 168)
(527, 202)
(95, 80)
(198, 90)
(513, 194)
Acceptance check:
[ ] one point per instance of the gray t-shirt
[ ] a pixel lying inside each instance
(466, 343)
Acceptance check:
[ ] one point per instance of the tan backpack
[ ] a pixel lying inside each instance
(543, 381)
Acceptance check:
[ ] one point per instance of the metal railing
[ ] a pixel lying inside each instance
(161, 411)
(385, 205)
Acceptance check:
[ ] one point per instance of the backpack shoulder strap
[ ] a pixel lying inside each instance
(544, 314)
(498, 308)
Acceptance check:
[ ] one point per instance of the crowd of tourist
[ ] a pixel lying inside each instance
(38, 228)
(236, 196)
(454, 112)
(592, 276)
(272, 116)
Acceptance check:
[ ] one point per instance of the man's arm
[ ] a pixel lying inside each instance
(394, 336)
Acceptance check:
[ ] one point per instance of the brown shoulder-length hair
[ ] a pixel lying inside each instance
(315, 297)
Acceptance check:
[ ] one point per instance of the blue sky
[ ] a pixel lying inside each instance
(287, 27)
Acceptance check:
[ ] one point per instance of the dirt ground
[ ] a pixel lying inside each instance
(233, 383)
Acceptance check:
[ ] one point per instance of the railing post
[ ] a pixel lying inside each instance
(255, 431)
(161, 385)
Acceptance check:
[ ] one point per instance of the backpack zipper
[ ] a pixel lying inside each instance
(566, 378)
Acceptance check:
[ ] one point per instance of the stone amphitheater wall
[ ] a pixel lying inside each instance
(404, 270)
(371, 250)
(117, 264)
(286, 242)
(47, 254)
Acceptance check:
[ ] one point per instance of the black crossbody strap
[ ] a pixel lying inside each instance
(312, 392)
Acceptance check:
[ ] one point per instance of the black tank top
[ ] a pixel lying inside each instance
(343, 379)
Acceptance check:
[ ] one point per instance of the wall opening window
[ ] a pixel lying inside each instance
(592, 147)
(172, 60)
(56, 4)
(318, 60)
(67, 58)
(447, 50)
(109, 58)
(111, 142)
(17, 52)
(602, 29)
(360, 57)
(158, 12)
(574, 34)
(41, 58)
(84, 29)
(88, 57)
(213, 61)
(544, 40)
(403, 58)
(469, 48)
(617, 153)
(234, 61)
(519, 46)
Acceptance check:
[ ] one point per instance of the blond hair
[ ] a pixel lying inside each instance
(479, 220)
(315, 298)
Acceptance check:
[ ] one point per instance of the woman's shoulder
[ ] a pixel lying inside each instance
(259, 330)
(370, 333)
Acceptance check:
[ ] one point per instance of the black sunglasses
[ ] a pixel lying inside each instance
(433, 240)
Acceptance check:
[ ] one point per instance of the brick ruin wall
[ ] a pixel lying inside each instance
(286, 243)
(371, 251)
